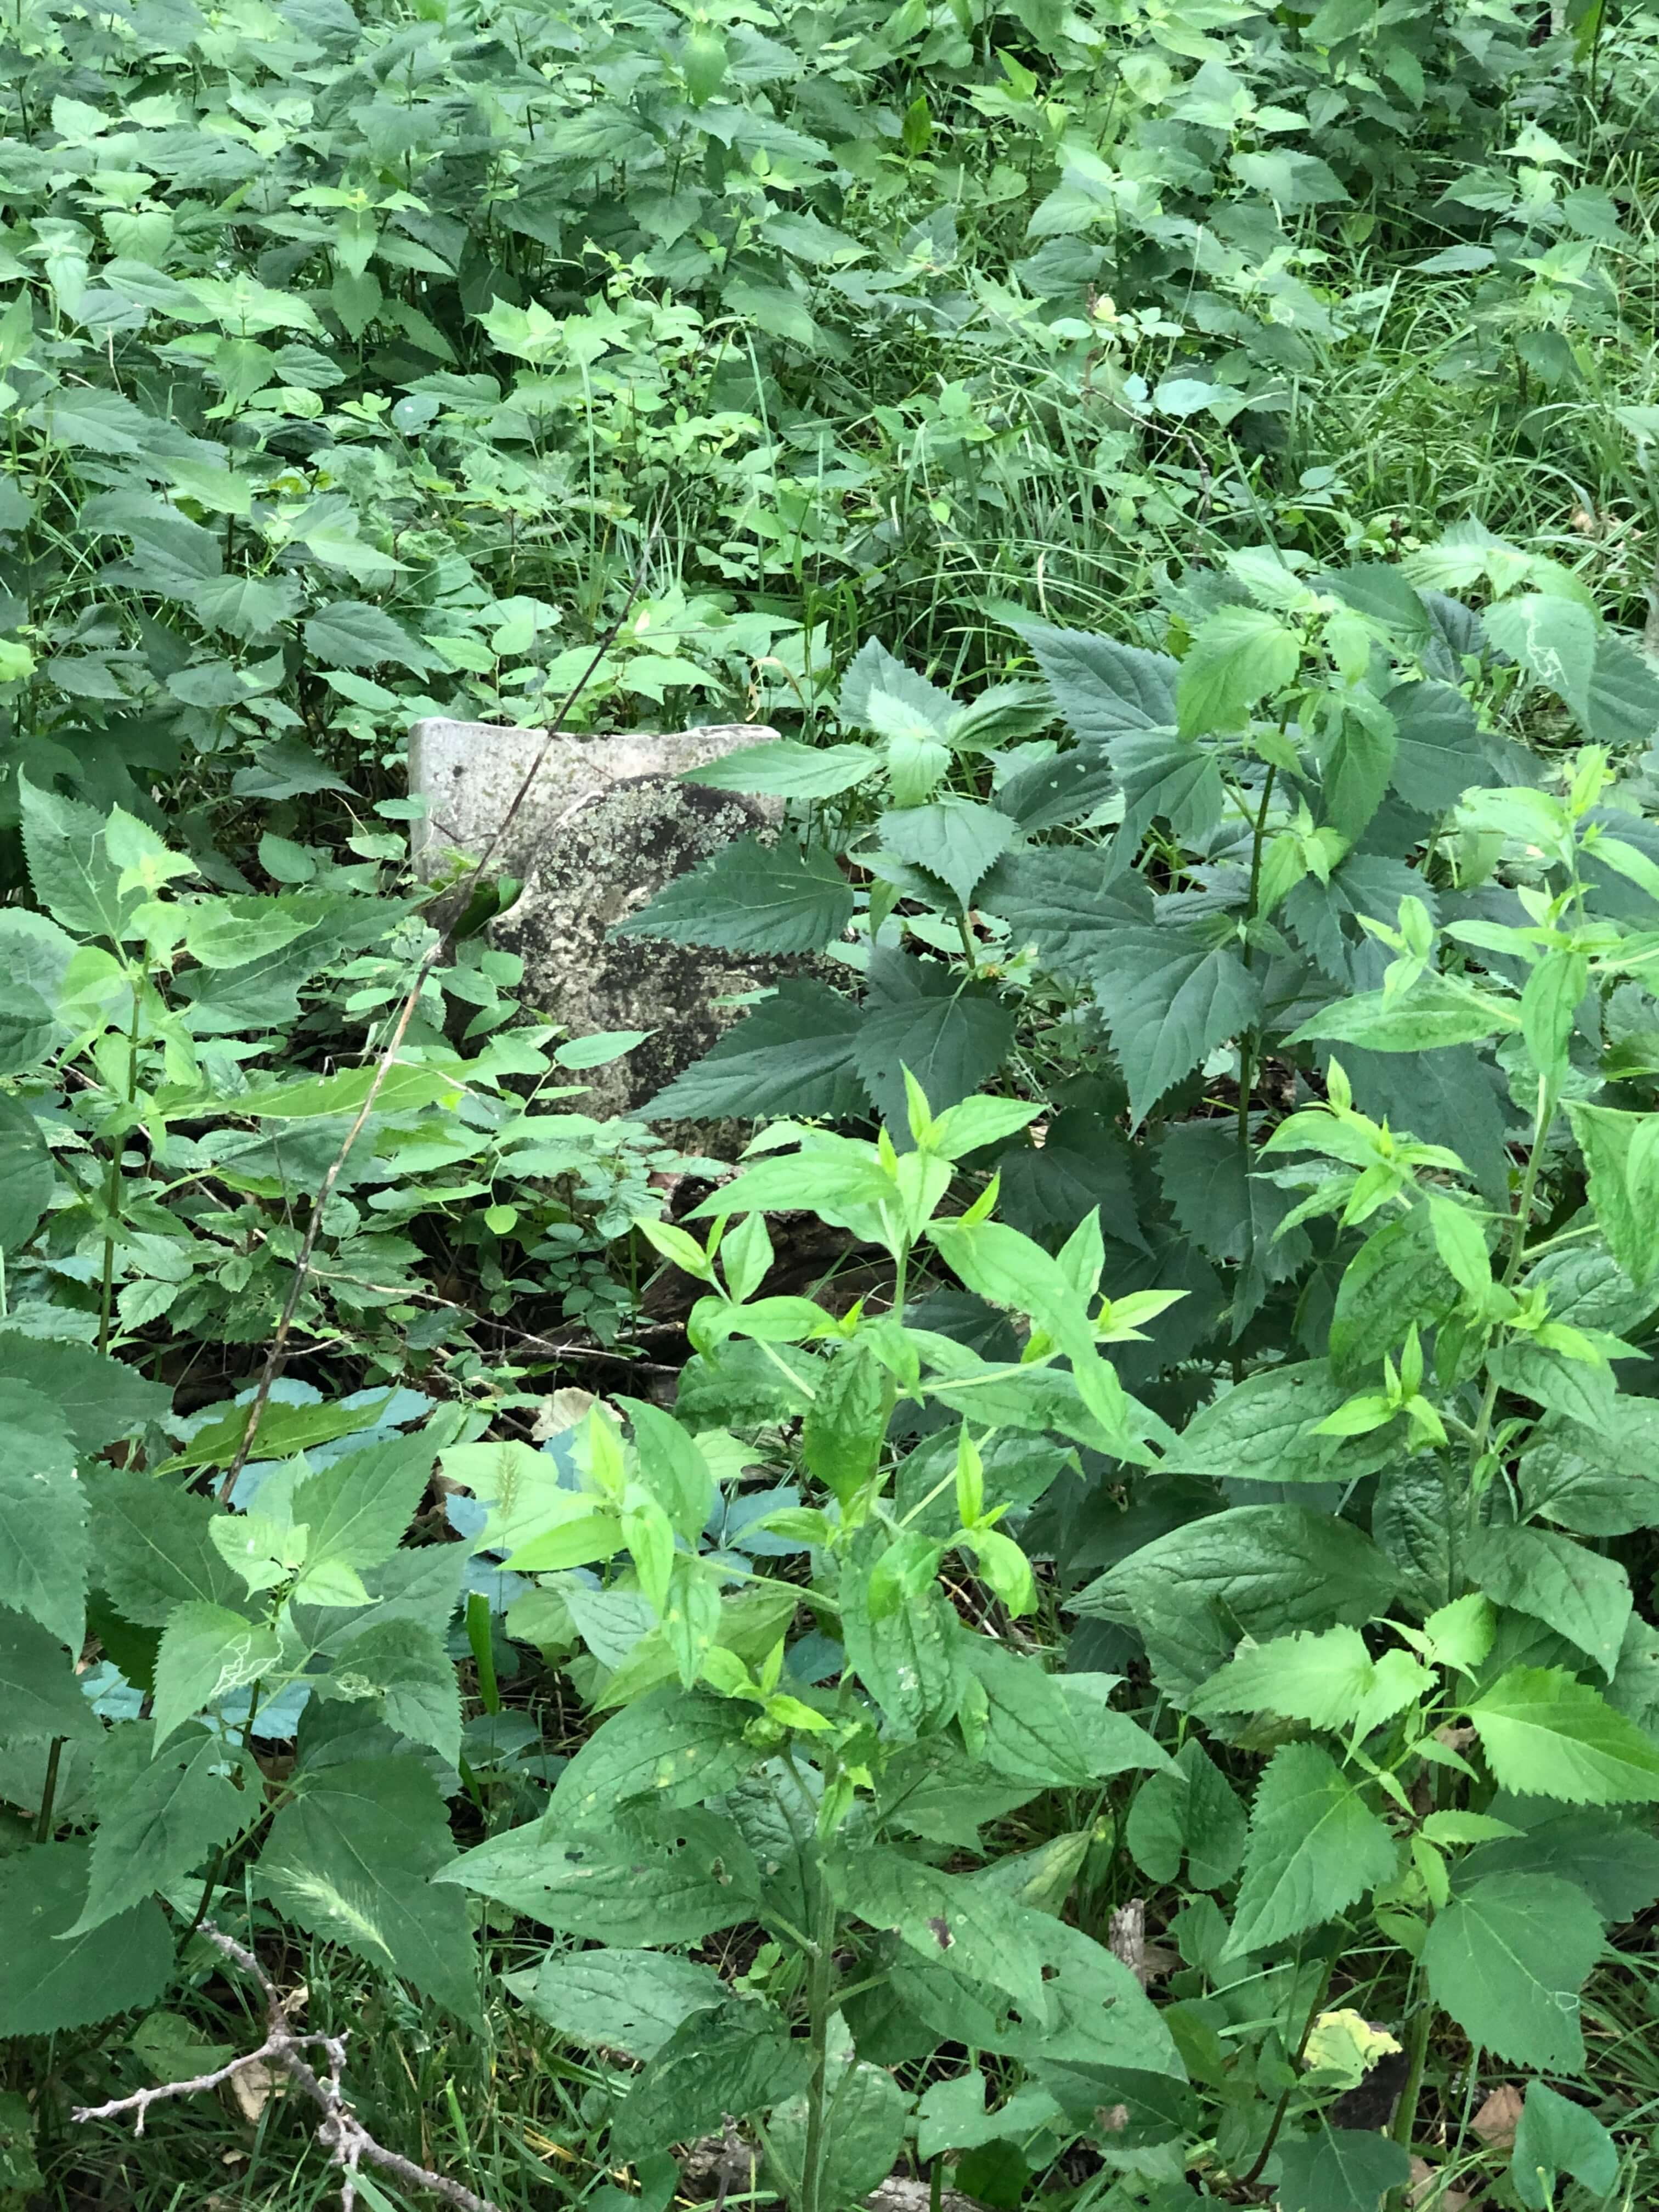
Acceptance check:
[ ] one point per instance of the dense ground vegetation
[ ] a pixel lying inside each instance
(1081, 1630)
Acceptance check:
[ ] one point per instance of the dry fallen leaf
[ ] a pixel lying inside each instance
(1498, 2118)
(1422, 2190)
(251, 2088)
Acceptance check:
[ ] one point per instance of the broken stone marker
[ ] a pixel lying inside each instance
(602, 829)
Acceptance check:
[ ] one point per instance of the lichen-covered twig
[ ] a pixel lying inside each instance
(348, 2143)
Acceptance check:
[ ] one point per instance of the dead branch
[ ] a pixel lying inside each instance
(348, 2142)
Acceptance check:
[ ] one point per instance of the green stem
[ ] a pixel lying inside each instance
(49, 1791)
(1405, 2119)
(483, 1655)
(819, 1993)
(112, 1187)
(1522, 1222)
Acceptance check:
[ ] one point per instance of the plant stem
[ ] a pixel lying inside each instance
(112, 1187)
(1405, 2119)
(49, 1791)
(819, 1995)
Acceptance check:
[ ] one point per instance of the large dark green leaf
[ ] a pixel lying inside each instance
(951, 1035)
(794, 1054)
(1069, 902)
(1104, 688)
(1171, 996)
(1507, 1957)
(751, 897)
(50, 1980)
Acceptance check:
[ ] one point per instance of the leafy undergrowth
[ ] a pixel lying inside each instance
(1076, 1629)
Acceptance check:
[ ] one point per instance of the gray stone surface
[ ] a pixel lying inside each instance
(604, 827)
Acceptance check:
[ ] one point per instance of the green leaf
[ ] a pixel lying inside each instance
(1029, 1732)
(1621, 1157)
(1103, 689)
(51, 1981)
(353, 634)
(40, 1695)
(1397, 1277)
(406, 1664)
(751, 897)
(1315, 1848)
(358, 1506)
(788, 769)
(1228, 1212)
(1573, 1388)
(205, 1653)
(618, 1999)
(27, 1177)
(1328, 1679)
(794, 1054)
(1069, 902)
(944, 1917)
(351, 1858)
(1623, 708)
(1546, 1735)
(954, 839)
(102, 1398)
(69, 868)
(1437, 747)
(403, 1088)
(1574, 1591)
(160, 1816)
(1293, 180)
(674, 1747)
(1556, 2137)
(43, 1511)
(1554, 640)
(1264, 1430)
(905, 1654)
(1169, 997)
(1595, 1481)
(846, 1424)
(1239, 657)
(1357, 766)
(1192, 1810)
(1436, 1011)
(230, 932)
(1507, 1957)
(1259, 1570)
(1615, 1864)
(865, 2130)
(1340, 2170)
(153, 1549)
(731, 2061)
(677, 1881)
(951, 1036)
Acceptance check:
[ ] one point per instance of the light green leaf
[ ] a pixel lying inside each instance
(1557, 2136)
(675, 1747)
(1240, 656)
(1621, 1154)
(1546, 1735)
(1315, 1848)
(1437, 1010)
(205, 1653)
(1507, 1957)
(789, 770)
(1339, 2169)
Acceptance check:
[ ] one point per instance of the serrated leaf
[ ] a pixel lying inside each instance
(1621, 1156)
(351, 1857)
(1572, 1589)
(1328, 1679)
(1169, 997)
(1616, 1864)
(1258, 1570)
(751, 897)
(1069, 901)
(794, 1054)
(1239, 658)
(69, 867)
(207, 1652)
(27, 1177)
(353, 633)
(1264, 1430)
(406, 1665)
(43, 1537)
(1546, 1735)
(40, 1695)
(1557, 2136)
(951, 1036)
(49, 1981)
(785, 769)
(1102, 688)
(730, 2061)
(1315, 1848)
(160, 1815)
(954, 839)
(358, 1506)
(943, 1917)
(1507, 1957)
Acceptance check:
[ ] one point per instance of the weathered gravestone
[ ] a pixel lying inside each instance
(604, 826)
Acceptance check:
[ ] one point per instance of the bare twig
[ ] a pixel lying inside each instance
(276, 1357)
(348, 2143)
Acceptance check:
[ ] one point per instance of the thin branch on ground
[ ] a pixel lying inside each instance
(348, 2142)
